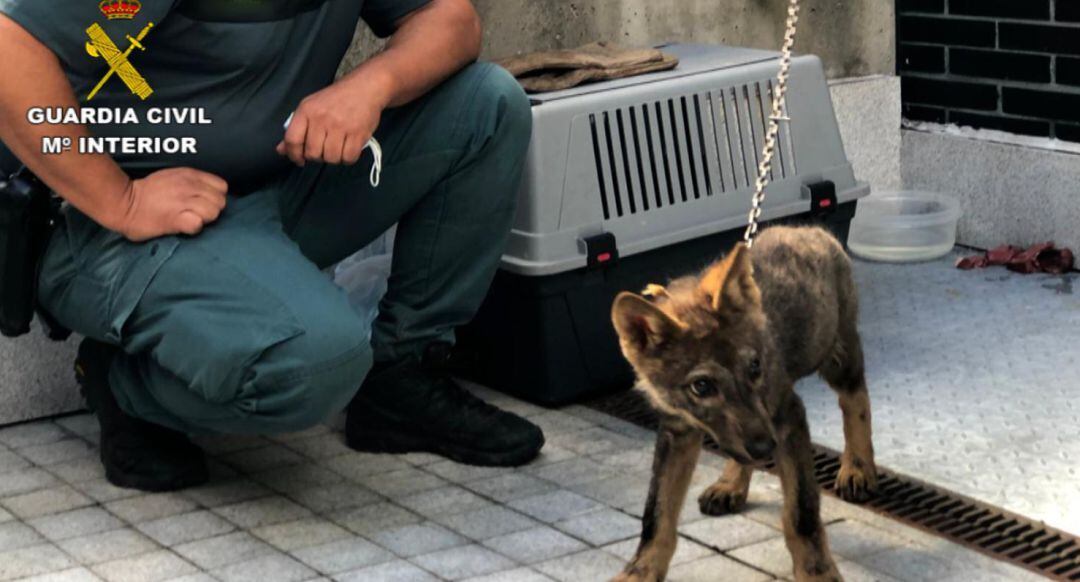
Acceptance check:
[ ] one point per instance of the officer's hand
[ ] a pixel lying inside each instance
(173, 201)
(333, 125)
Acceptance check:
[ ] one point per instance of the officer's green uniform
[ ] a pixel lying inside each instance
(238, 329)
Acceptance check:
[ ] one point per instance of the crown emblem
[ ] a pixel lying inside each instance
(120, 9)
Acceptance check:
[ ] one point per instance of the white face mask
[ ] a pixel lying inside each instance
(376, 151)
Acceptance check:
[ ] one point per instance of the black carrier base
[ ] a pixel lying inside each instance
(549, 339)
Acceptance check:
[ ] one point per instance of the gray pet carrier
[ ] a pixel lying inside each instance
(640, 180)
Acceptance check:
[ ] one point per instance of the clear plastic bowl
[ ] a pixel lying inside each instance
(905, 226)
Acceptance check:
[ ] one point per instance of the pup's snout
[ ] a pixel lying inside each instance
(761, 449)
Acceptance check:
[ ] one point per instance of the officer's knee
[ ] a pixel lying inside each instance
(502, 89)
(331, 391)
(319, 379)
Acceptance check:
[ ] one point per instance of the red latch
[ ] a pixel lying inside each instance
(602, 251)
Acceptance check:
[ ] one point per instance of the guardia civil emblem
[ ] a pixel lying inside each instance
(100, 45)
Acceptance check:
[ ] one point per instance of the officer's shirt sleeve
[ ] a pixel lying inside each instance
(382, 15)
(61, 25)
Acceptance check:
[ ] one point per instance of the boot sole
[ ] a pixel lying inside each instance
(126, 481)
(397, 443)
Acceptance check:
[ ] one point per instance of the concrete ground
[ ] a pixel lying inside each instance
(974, 383)
(304, 507)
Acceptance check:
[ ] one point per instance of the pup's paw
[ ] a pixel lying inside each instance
(634, 573)
(856, 481)
(832, 576)
(721, 499)
(823, 572)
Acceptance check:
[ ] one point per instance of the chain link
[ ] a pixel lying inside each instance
(777, 116)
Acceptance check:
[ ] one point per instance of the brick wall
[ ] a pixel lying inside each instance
(1011, 65)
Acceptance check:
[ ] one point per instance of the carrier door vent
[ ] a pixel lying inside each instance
(678, 150)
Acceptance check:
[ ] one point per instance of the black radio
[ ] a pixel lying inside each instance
(28, 213)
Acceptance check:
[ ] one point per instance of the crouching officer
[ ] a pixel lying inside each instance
(197, 278)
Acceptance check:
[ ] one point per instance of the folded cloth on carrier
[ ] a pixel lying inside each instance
(562, 69)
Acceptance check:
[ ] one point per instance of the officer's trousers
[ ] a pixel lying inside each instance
(238, 329)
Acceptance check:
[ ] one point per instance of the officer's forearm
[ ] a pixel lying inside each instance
(33, 77)
(429, 45)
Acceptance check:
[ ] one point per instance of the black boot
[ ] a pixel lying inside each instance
(414, 406)
(136, 454)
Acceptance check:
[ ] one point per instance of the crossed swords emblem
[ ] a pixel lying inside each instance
(100, 45)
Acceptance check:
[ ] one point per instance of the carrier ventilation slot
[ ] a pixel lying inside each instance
(981, 527)
(664, 153)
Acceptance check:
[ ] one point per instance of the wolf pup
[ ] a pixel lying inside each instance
(718, 354)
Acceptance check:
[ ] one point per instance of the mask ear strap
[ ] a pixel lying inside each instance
(376, 166)
(376, 151)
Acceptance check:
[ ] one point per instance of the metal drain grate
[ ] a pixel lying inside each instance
(983, 528)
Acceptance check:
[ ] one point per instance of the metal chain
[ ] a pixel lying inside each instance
(777, 115)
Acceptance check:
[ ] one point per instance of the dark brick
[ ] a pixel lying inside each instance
(932, 6)
(1028, 9)
(920, 113)
(922, 58)
(948, 31)
(1068, 71)
(1000, 65)
(1067, 132)
(1010, 124)
(949, 93)
(1044, 104)
(1067, 11)
(1041, 38)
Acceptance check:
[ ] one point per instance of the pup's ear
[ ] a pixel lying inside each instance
(642, 326)
(729, 284)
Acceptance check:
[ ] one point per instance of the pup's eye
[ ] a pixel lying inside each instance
(702, 387)
(754, 369)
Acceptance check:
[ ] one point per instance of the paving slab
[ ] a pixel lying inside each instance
(716, 568)
(463, 562)
(342, 555)
(277, 567)
(396, 571)
(150, 567)
(486, 523)
(150, 507)
(729, 532)
(602, 526)
(302, 533)
(417, 539)
(107, 546)
(15, 535)
(534, 545)
(213, 553)
(70, 575)
(186, 527)
(262, 511)
(555, 506)
(32, 561)
(57, 452)
(45, 502)
(75, 523)
(587, 565)
(376, 518)
(443, 501)
(515, 575)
